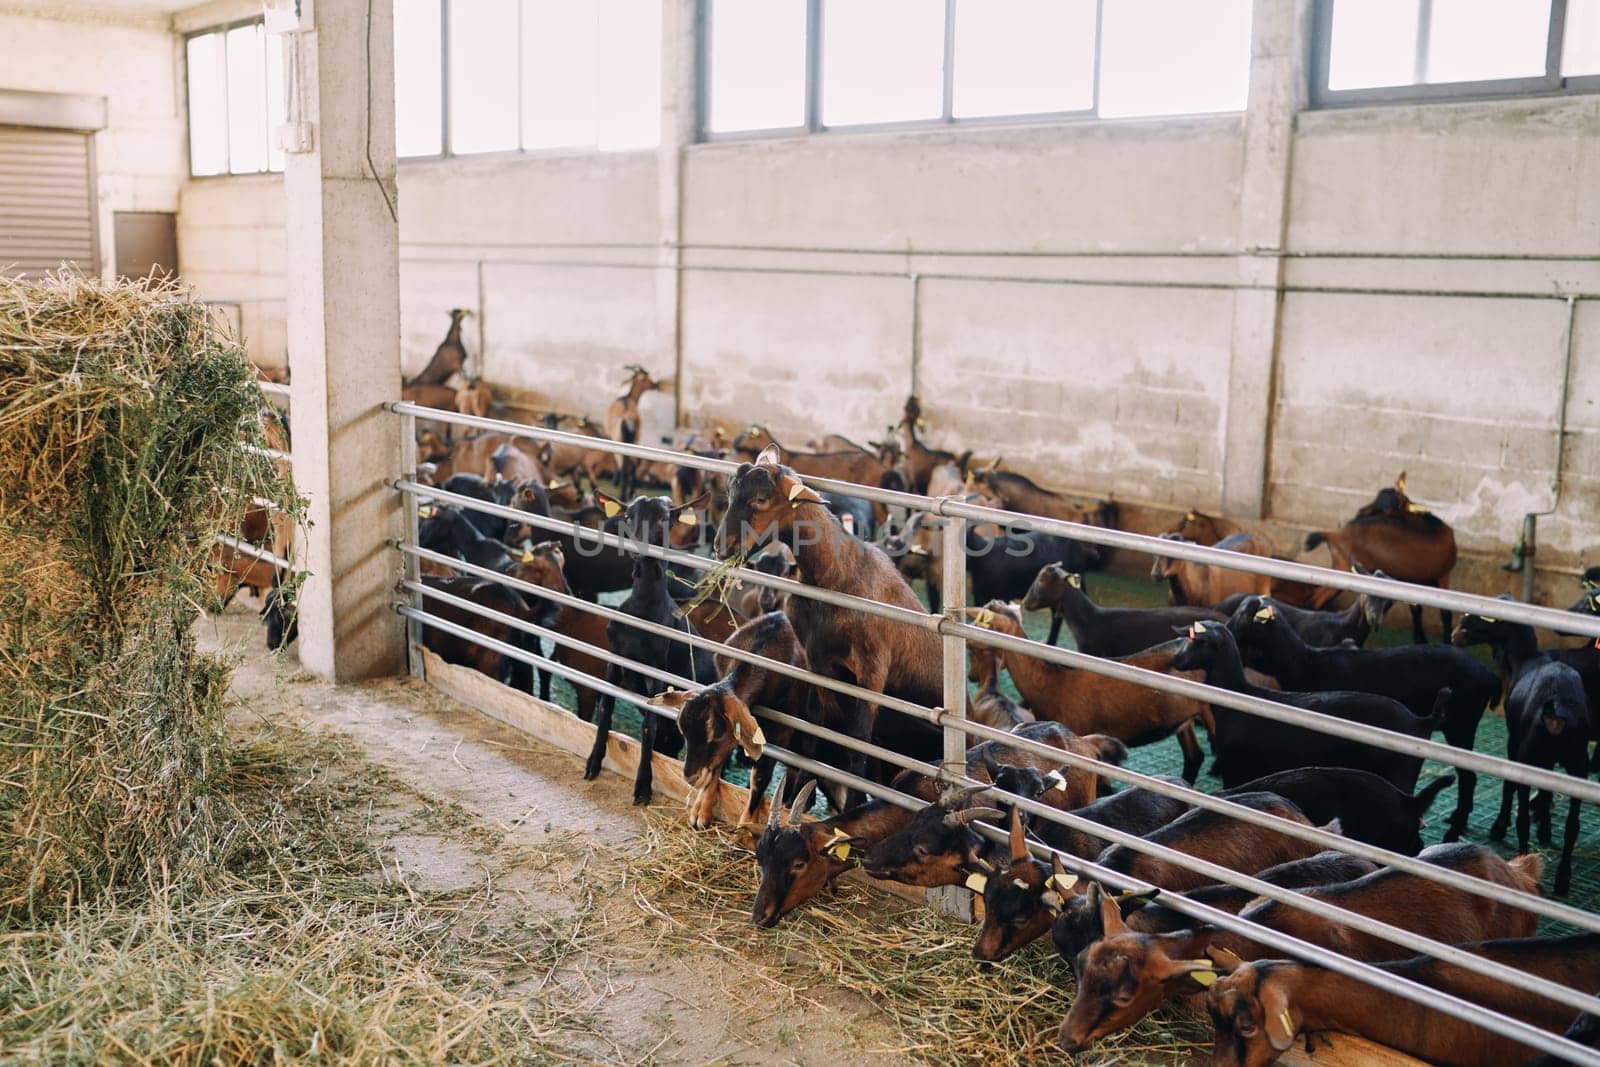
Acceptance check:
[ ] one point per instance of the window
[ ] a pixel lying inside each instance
(236, 100)
(475, 76)
(1377, 50)
(793, 66)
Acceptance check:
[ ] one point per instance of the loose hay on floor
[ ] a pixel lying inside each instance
(911, 964)
(297, 947)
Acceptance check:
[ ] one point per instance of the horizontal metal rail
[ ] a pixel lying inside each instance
(1406, 744)
(1189, 795)
(246, 549)
(274, 389)
(1405, 592)
(1264, 935)
(270, 453)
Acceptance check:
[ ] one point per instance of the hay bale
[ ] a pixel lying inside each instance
(123, 410)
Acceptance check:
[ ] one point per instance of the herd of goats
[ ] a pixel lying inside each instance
(1242, 632)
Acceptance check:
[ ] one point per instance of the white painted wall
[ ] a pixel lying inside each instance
(140, 157)
(797, 298)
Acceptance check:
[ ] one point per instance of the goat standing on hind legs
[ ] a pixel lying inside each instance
(448, 358)
(622, 421)
(1400, 538)
(768, 502)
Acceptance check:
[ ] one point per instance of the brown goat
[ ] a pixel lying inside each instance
(922, 461)
(1260, 1008)
(1400, 538)
(1088, 703)
(862, 468)
(574, 461)
(622, 422)
(1014, 491)
(799, 860)
(448, 358)
(430, 396)
(1126, 975)
(989, 705)
(475, 398)
(768, 502)
(1219, 838)
(717, 718)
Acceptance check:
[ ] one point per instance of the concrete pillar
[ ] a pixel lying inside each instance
(344, 335)
(679, 116)
(1279, 49)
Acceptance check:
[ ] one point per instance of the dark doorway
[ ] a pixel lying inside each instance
(146, 241)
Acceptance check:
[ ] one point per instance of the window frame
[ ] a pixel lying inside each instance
(1550, 83)
(222, 29)
(704, 28)
(552, 151)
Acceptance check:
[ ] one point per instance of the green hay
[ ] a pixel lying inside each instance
(123, 412)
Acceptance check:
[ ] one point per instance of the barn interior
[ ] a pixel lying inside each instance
(1254, 275)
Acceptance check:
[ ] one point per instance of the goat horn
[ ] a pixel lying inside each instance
(960, 798)
(1018, 840)
(802, 802)
(966, 815)
(775, 820)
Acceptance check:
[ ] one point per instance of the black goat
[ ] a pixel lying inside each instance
(1002, 567)
(1247, 745)
(1412, 674)
(1323, 629)
(648, 519)
(1098, 631)
(1369, 808)
(1547, 725)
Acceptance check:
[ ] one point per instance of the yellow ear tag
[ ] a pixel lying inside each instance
(839, 847)
(1193, 516)
(1061, 883)
(1415, 509)
(1288, 1022)
(1204, 978)
(1055, 780)
(527, 555)
(977, 882)
(758, 738)
(794, 491)
(555, 483)
(984, 618)
(1486, 618)
(1264, 615)
(611, 508)
(688, 518)
(424, 512)
(1075, 580)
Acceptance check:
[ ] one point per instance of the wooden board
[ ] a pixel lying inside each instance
(557, 726)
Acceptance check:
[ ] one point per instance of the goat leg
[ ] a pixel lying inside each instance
(602, 727)
(1418, 637)
(649, 723)
(1192, 756)
(1523, 818)
(1497, 831)
(1568, 840)
(756, 812)
(1055, 634)
(1542, 803)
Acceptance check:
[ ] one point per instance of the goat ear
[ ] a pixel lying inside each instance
(1110, 912)
(1278, 1018)
(672, 698)
(1018, 840)
(745, 728)
(769, 456)
(609, 504)
(796, 492)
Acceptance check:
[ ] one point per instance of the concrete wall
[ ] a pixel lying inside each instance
(231, 245)
(1068, 296)
(140, 157)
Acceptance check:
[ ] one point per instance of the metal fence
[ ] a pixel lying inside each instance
(951, 718)
(272, 389)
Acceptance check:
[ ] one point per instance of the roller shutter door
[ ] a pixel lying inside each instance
(46, 201)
